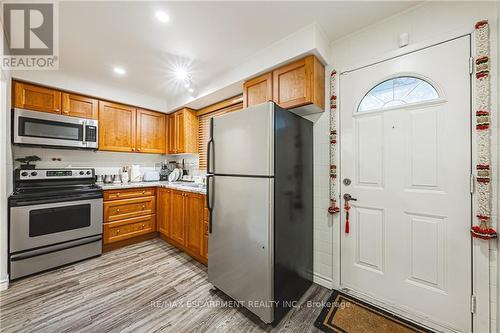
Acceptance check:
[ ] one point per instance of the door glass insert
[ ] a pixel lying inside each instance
(397, 91)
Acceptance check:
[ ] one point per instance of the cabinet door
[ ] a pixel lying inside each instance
(172, 149)
(194, 222)
(150, 132)
(179, 132)
(177, 230)
(258, 90)
(79, 106)
(164, 209)
(31, 97)
(116, 127)
(300, 83)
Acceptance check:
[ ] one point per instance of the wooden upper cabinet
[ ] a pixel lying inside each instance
(183, 132)
(79, 106)
(117, 127)
(164, 210)
(150, 132)
(194, 222)
(300, 84)
(171, 141)
(177, 225)
(36, 98)
(258, 90)
(179, 132)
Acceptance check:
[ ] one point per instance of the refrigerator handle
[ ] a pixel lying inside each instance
(209, 203)
(209, 146)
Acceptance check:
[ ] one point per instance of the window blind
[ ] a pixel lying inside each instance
(204, 130)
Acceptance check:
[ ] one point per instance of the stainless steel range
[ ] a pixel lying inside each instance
(55, 219)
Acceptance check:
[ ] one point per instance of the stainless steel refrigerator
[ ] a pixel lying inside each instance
(260, 199)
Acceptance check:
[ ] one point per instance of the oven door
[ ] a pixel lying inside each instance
(39, 128)
(39, 225)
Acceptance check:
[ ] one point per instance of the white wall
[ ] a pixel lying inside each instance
(5, 171)
(309, 40)
(424, 22)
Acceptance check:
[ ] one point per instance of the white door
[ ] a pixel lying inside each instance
(406, 147)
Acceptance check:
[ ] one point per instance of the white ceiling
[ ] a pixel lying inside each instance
(210, 37)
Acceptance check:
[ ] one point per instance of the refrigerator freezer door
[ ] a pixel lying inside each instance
(243, 142)
(240, 247)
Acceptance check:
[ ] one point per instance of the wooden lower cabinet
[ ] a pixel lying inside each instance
(164, 202)
(181, 221)
(194, 221)
(133, 215)
(177, 226)
(128, 220)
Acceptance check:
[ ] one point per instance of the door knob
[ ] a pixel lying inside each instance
(348, 197)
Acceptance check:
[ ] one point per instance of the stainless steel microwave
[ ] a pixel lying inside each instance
(53, 130)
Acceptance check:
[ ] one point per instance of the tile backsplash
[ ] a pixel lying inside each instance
(103, 162)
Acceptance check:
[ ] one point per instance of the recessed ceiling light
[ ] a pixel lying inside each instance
(186, 85)
(191, 90)
(119, 70)
(181, 74)
(162, 16)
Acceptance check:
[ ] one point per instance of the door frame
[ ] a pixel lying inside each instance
(480, 277)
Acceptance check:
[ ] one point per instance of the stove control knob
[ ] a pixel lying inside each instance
(88, 172)
(34, 173)
(24, 174)
(81, 173)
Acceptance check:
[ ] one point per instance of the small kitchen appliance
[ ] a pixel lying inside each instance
(55, 219)
(53, 130)
(164, 172)
(151, 176)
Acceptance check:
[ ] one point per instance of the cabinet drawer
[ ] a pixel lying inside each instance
(128, 228)
(128, 193)
(128, 208)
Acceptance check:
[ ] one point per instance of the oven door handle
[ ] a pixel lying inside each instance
(54, 248)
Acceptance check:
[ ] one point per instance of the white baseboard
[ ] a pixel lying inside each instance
(4, 284)
(322, 280)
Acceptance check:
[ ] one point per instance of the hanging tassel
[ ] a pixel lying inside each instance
(347, 207)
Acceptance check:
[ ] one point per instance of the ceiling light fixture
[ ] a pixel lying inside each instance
(162, 16)
(191, 90)
(181, 74)
(119, 70)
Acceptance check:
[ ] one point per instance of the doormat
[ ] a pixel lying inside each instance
(346, 314)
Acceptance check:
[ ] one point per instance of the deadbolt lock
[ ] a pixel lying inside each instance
(346, 181)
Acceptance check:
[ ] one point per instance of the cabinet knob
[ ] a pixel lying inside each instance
(138, 149)
(118, 210)
(117, 231)
(143, 192)
(143, 206)
(133, 149)
(117, 194)
(143, 226)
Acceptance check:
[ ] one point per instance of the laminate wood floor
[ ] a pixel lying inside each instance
(146, 287)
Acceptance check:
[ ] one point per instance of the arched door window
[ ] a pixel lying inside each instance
(397, 91)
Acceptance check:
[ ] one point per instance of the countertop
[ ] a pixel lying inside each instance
(176, 185)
